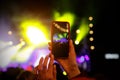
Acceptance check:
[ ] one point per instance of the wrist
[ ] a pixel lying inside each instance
(73, 72)
(77, 77)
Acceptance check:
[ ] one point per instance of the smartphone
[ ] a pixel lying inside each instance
(60, 36)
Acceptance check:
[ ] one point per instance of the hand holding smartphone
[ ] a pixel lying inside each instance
(60, 36)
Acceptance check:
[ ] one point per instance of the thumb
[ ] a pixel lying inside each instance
(71, 46)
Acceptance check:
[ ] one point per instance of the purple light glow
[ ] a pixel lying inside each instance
(81, 59)
(87, 57)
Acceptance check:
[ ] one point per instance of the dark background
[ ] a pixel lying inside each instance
(106, 39)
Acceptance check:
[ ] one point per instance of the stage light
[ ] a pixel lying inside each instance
(21, 39)
(90, 25)
(81, 59)
(24, 54)
(4, 45)
(92, 47)
(8, 53)
(10, 43)
(91, 38)
(90, 18)
(66, 16)
(87, 57)
(77, 31)
(76, 42)
(22, 43)
(34, 32)
(85, 65)
(9, 32)
(84, 29)
(64, 73)
(35, 35)
(111, 55)
(91, 32)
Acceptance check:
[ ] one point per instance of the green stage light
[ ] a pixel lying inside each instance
(84, 29)
(67, 16)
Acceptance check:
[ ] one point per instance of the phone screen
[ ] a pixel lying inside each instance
(60, 34)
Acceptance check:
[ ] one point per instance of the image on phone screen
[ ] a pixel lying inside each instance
(60, 38)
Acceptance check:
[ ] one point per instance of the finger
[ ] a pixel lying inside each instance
(50, 66)
(35, 70)
(45, 63)
(54, 71)
(40, 64)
